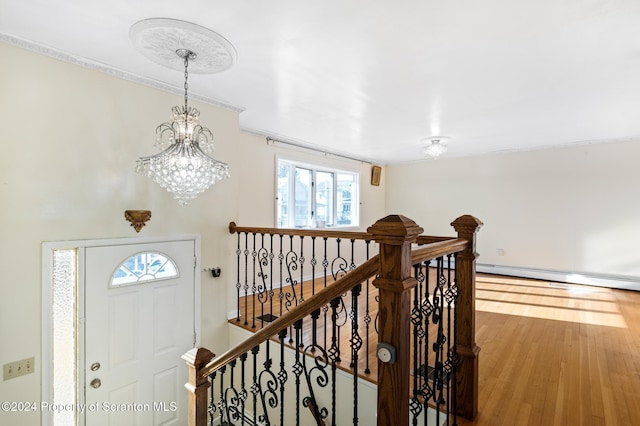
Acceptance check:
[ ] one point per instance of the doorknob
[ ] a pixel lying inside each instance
(95, 383)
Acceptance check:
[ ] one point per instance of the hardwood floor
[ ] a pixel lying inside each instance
(555, 354)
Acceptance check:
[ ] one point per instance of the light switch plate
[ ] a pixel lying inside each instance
(15, 369)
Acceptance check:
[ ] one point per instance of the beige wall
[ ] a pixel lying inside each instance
(573, 209)
(70, 138)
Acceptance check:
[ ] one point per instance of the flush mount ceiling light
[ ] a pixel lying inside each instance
(183, 168)
(433, 147)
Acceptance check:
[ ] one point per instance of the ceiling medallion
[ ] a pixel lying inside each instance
(158, 39)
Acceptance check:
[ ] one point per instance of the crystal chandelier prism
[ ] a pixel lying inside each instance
(184, 168)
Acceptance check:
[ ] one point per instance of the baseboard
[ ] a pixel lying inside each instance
(609, 281)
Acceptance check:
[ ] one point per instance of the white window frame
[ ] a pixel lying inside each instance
(315, 168)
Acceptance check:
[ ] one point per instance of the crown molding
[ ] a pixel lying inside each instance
(112, 71)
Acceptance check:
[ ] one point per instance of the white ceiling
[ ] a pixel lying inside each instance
(371, 78)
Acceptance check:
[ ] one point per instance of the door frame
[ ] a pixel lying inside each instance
(80, 246)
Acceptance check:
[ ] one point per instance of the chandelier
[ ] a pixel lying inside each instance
(434, 148)
(184, 168)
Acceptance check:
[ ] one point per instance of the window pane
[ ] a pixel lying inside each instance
(64, 334)
(303, 198)
(324, 199)
(347, 200)
(284, 185)
(308, 197)
(144, 267)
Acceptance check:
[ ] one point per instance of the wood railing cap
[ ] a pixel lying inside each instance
(198, 357)
(395, 229)
(467, 223)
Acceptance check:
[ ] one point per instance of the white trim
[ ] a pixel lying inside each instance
(80, 332)
(584, 278)
(46, 349)
(112, 71)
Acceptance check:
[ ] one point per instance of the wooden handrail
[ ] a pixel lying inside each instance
(435, 250)
(324, 232)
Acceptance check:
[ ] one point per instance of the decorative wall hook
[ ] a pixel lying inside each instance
(137, 218)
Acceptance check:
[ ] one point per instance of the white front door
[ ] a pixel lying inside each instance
(139, 320)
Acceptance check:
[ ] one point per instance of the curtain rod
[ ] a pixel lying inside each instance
(271, 140)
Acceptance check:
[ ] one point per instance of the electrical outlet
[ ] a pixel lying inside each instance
(18, 368)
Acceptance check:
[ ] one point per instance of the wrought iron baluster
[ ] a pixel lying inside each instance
(314, 262)
(263, 293)
(211, 409)
(282, 374)
(334, 354)
(297, 367)
(416, 320)
(254, 254)
(325, 308)
(243, 388)
(301, 262)
(238, 286)
(356, 344)
(255, 385)
(427, 309)
(291, 297)
(221, 402)
(367, 317)
(272, 256)
(438, 345)
(450, 297)
(352, 266)
(318, 371)
(282, 281)
(232, 397)
(339, 263)
(452, 361)
(268, 386)
(246, 277)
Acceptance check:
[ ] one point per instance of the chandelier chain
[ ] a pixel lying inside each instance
(186, 77)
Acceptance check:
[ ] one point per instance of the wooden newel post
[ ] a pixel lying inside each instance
(465, 315)
(394, 234)
(198, 385)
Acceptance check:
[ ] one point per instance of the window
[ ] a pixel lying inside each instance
(312, 196)
(144, 267)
